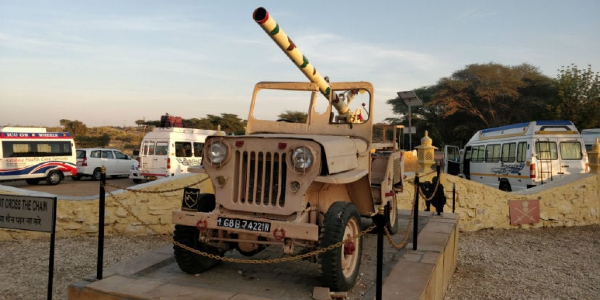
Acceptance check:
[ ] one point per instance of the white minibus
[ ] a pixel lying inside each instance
(33, 154)
(519, 156)
(170, 151)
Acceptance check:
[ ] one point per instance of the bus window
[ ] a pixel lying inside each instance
(508, 152)
(478, 154)
(546, 150)
(570, 150)
(183, 149)
(492, 153)
(161, 148)
(522, 152)
(198, 149)
(148, 148)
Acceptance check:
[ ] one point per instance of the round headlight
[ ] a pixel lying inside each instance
(302, 158)
(217, 153)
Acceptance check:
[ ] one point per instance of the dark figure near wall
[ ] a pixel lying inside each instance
(439, 200)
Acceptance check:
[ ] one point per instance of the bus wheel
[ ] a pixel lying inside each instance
(32, 181)
(505, 186)
(54, 177)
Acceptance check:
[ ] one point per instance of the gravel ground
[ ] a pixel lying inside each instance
(547, 263)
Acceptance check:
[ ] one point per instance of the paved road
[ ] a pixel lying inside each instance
(68, 187)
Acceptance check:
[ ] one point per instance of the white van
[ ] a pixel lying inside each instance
(590, 136)
(34, 155)
(168, 152)
(519, 156)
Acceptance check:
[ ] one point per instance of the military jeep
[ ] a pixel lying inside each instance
(301, 185)
(301, 177)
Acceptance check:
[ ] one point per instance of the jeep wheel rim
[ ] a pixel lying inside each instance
(350, 253)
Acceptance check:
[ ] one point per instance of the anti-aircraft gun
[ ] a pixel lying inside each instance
(302, 186)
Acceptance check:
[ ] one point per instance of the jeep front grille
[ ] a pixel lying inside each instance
(260, 178)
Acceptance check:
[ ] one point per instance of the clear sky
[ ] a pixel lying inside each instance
(114, 62)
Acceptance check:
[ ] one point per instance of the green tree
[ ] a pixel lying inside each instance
(578, 96)
(476, 97)
(293, 116)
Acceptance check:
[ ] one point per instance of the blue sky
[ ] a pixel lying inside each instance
(114, 62)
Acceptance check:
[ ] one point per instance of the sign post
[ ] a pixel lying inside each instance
(33, 214)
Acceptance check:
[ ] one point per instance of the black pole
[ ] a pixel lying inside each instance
(416, 212)
(52, 246)
(380, 221)
(101, 225)
(453, 196)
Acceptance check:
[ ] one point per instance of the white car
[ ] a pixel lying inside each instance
(91, 160)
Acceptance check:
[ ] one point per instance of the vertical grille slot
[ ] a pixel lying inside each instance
(260, 178)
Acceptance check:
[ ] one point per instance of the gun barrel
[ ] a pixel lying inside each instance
(270, 26)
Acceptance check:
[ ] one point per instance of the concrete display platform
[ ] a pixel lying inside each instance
(408, 274)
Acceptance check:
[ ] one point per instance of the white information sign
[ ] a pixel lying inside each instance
(27, 213)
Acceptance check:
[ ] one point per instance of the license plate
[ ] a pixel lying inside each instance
(243, 224)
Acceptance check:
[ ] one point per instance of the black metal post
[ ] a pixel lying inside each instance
(453, 196)
(101, 205)
(438, 194)
(416, 212)
(52, 247)
(380, 221)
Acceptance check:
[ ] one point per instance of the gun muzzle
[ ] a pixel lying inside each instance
(268, 24)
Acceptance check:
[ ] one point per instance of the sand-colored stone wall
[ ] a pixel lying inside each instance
(571, 202)
(149, 201)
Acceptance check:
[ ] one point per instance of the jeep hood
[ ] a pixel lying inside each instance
(340, 152)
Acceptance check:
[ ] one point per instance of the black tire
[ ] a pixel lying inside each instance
(340, 266)
(190, 262)
(135, 180)
(32, 181)
(54, 177)
(76, 177)
(505, 186)
(392, 225)
(97, 174)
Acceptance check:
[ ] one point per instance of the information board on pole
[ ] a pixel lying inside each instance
(27, 213)
(33, 214)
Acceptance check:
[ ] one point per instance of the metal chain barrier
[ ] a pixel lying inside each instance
(153, 192)
(237, 260)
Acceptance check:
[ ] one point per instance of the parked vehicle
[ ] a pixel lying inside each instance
(590, 136)
(519, 156)
(168, 152)
(33, 154)
(91, 160)
(299, 185)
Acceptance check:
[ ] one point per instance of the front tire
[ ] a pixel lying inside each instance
(190, 262)
(339, 267)
(135, 180)
(54, 177)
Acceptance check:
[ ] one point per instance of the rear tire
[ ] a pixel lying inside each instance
(339, 267)
(190, 262)
(505, 186)
(393, 217)
(54, 177)
(137, 180)
(97, 175)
